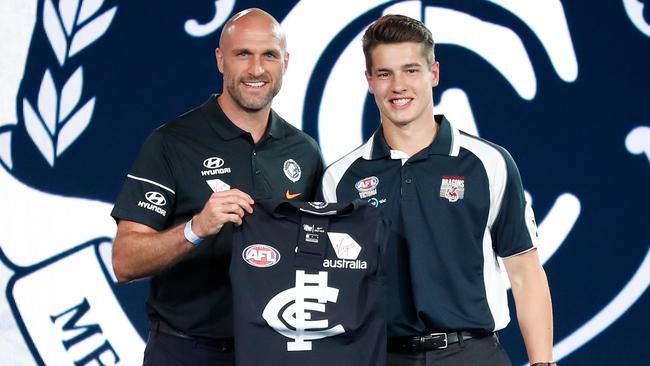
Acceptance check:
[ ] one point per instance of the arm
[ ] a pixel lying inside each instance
(533, 303)
(140, 251)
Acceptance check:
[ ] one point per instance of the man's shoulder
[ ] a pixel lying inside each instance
(190, 121)
(479, 145)
(293, 133)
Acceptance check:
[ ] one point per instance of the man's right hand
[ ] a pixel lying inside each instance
(222, 207)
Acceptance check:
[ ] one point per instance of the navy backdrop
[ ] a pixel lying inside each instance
(561, 85)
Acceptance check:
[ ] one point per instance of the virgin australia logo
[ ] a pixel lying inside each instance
(298, 313)
(347, 250)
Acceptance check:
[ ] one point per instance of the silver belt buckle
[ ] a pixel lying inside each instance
(444, 336)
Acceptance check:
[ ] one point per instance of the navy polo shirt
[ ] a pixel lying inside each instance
(181, 164)
(455, 207)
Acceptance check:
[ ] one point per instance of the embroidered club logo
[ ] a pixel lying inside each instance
(367, 186)
(292, 170)
(452, 188)
(318, 205)
(261, 255)
(291, 312)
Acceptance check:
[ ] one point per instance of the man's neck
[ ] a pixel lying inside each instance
(410, 138)
(254, 123)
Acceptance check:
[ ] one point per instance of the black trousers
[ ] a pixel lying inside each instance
(167, 350)
(486, 351)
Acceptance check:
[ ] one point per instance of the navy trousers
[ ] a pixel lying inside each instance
(167, 350)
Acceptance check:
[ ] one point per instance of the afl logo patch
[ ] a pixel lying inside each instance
(292, 170)
(367, 186)
(156, 198)
(213, 162)
(261, 255)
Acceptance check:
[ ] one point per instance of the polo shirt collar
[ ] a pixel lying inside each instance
(227, 130)
(445, 143)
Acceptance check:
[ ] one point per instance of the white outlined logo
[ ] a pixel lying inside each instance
(156, 198)
(213, 162)
(292, 170)
(296, 307)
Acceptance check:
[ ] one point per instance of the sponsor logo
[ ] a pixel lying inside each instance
(347, 250)
(452, 188)
(214, 164)
(312, 238)
(312, 228)
(345, 264)
(367, 186)
(288, 195)
(291, 312)
(155, 199)
(217, 185)
(375, 202)
(292, 170)
(261, 255)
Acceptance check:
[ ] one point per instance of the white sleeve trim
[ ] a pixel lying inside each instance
(152, 182)
(335, 172)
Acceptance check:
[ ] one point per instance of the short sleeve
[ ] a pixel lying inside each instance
(148, 194)
(514, 230)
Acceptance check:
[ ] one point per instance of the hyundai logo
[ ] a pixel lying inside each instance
(213, 162)
(156, 198)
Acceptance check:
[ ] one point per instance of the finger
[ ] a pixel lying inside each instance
(245, 196)
(233, 208)
(235, 219)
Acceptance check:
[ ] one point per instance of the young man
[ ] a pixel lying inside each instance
(197, 176)
(456, 202)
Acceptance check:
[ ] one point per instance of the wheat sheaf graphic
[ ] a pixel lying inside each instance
(60, 118)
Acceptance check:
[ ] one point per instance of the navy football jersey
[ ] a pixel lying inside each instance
(308, 287)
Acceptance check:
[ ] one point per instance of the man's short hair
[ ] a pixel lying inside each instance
(397, 29)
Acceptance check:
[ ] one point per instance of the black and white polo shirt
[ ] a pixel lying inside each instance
(455, 207)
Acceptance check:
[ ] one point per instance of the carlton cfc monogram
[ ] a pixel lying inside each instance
(299, 307)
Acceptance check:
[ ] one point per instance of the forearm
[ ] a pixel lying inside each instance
(140, 254)
(534, 313)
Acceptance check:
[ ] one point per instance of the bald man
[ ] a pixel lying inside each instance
(196, 177)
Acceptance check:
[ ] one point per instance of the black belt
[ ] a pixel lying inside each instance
(430, 342)
(222, 344)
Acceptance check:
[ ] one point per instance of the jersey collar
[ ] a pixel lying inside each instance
(445, 143)
(229, 131)
(292, 210)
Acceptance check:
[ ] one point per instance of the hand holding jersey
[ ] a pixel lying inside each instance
(222, 207)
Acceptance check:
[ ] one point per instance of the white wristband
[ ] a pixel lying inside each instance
(189, 234)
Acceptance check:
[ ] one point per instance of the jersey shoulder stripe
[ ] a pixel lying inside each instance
(336, 170)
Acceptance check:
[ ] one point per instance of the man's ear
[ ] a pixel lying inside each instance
(219, 57)
(435, 74)
(369, 80)
(286, 62)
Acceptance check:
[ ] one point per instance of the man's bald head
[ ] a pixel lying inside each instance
(253, 19)
(252, 56)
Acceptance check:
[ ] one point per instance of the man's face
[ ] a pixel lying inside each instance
(253, 59)
(402, 81)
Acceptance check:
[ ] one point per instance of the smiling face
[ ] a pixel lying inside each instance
(252, 57)
(402, 81)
